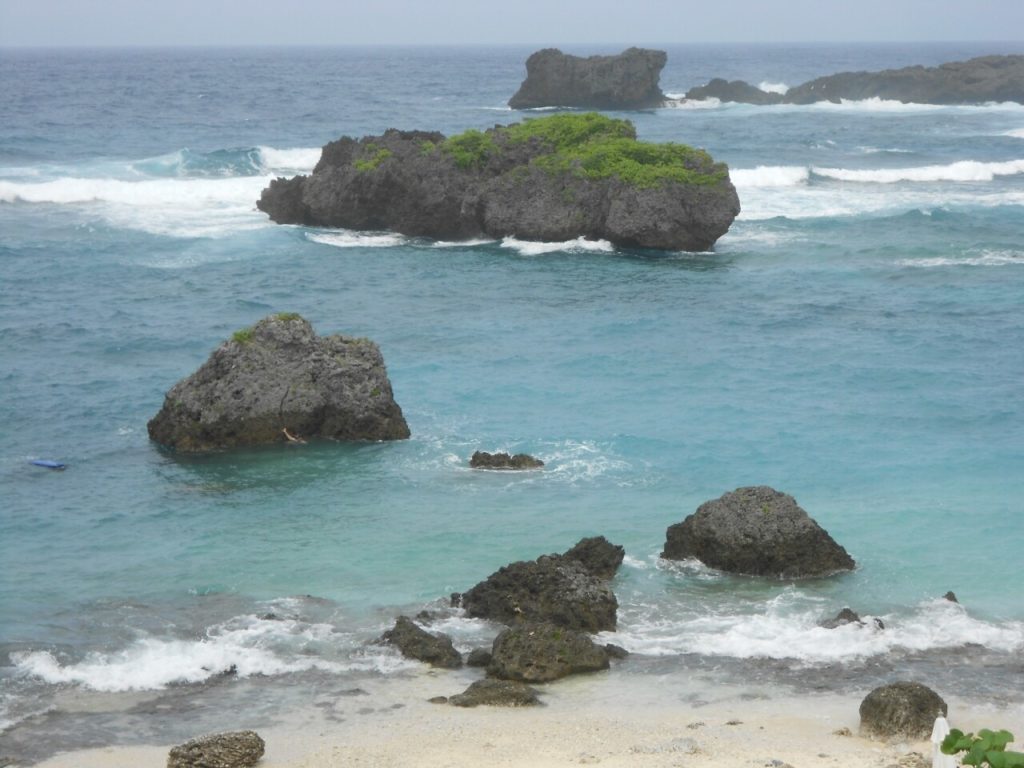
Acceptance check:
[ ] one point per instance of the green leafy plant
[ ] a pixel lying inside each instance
(988, 748)
(372, 156)
(243, 336)
(286, 317)
(469, 148)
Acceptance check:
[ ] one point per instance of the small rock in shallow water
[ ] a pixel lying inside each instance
(484, 460)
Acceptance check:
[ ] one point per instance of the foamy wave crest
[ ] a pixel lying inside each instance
(180, 207)
(1017, 133)
(963, 170)
(579, 245)
(298, 159)
(769, 87)
(984, 259)
(350, 239)
(787, 628)
(580, 461)
(245, 646)
(770, 176)
(684, 103)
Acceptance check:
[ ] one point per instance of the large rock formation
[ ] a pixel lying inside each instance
(976, 81)
(756, 531)
(414, 642)
(570, 590)
(279, 381)
(554, 178)
(540, 653)
(626, 81)
(235, 749)
(901, 710)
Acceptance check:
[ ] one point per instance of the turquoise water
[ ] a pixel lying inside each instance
(855, 340)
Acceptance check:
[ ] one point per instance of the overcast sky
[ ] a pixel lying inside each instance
(401, 22)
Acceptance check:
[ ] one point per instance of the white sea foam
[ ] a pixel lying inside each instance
(684, 103)
(770, 176)
(962, 170)
(983, 259)
(884, 150)
(180, 207)
(769, 87)
(345, 238)
(297, 159)
(787, 628)
(246, 646)
(1017, 133)
(579, 245)
(460, 243)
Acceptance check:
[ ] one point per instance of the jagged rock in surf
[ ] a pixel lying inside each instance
(553, 178)
(485, 460)
(279, 382)
(561, 589)
(414, 642)
(757, 531)
(542, 652)
(628, 80)
(733, 90)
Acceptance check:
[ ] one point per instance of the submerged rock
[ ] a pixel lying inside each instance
(848, 616)
(628, 80)
(496, 693)
(902, 710)
(414, 642)
(235, 749)
(756, 531)
(484, 460)
(561, 589)
(553, 178)
(540, 653)
(278, 382)
(733, 90)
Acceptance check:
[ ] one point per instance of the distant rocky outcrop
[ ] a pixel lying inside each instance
(277, 382)
(484, 460)
(570, 590)
(414, 642)
(235, 749)
(626, 81)
(901, 710)
(496, 693)
(976, 81)
(756, 531)
(542, 652)
(552, 178)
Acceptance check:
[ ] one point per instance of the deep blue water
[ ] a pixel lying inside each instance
(855, 340)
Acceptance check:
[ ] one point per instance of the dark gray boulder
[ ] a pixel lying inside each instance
(554, 178)
(628, 80)
(757, 531)
(902, 710)
(279, 381)
(478, 657)
(597, 555)
(950, 596)
(733, 90)
(235, 749)
(485, 460)
(552, 588)
(496, 693)
(845, 616)
(414, 642)
(542, 652)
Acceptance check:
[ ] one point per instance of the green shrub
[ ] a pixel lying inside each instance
(372, 156)
(243, 336)
(988, 748)
(286, 317)
(470, 148)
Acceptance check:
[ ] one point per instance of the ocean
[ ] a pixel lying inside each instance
(855, 340)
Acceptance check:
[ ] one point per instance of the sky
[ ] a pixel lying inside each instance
(537, 22)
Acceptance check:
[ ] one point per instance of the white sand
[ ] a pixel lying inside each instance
(607, 720)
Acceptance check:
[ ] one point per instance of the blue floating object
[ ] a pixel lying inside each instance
(48, 463)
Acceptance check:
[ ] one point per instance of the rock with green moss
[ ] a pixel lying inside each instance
(553, 178)
(279, 382)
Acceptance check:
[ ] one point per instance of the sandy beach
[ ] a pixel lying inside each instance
(604, 719)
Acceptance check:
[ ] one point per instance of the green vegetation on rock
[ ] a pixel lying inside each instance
(286, 317)
(372, 157)
(243, 336)
(590, 146)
